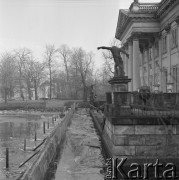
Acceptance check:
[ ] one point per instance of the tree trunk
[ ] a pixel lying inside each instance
(5, 96)
(21, 92)
(85, 94)
(50, 85)
(35, 87)
(29, 93)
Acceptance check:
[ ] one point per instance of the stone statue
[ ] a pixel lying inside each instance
(118, 67)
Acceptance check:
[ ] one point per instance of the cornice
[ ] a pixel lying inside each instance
(143, 15)
(165, 6)
(121, 30)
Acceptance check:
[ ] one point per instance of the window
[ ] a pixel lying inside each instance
(174, 38)
(156, 45)
(164, 44)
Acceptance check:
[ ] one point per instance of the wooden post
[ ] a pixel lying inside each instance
(44, 127)
(35, 136)
(52, 121)
(48, 124)
(7, 158)
(24, 144)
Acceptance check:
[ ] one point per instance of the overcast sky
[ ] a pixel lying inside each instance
(77, 23)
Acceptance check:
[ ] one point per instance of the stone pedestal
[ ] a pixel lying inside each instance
(119, 96)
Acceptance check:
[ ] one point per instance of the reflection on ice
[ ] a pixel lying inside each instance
(14, 127)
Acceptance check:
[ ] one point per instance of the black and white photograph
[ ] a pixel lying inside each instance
(89, 89)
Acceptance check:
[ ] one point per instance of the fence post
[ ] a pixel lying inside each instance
(7, 158)
(52, 121)
(24, 144)
(44, 127)
(35, 135)
(48, 124)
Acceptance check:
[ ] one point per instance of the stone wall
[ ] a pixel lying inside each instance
(140, 139)
(38, 169)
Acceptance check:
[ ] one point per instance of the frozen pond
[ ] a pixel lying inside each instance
(81, 157)
(14, 128)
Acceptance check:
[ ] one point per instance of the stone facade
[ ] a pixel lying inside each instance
(149, 32)
(142, 141)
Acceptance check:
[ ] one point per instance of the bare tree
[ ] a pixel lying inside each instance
(38, 75)
(22, 56)
(84, 65)
(50, 56)
(65, 55)
(7, 75)
(28, 76)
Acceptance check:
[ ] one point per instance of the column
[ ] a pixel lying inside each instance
(167, 29)
(177, 21)
(136, 69)
(153, 66)
(160, 64)
(130, 65)
(126, 60)
(147, 64)
(142, 67)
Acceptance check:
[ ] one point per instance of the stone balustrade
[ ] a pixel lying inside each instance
(148, 7)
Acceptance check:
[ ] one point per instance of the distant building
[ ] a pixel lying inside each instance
(150, 34)
(44, 90)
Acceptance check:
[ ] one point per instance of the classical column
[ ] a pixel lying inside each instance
(124, 62)
(130, 64)
(147, 63)
(136, 69)
(167, 29)
(177, 21)
(142, 67)
(153, 66)
(127, 60)
(160, 63)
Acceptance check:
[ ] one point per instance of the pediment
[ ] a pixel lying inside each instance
(122, 20)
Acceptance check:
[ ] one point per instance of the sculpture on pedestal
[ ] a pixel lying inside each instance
(116, 52)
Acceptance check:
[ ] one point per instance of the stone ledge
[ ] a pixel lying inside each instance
(129, 120)
(155, 129)
(118, 130)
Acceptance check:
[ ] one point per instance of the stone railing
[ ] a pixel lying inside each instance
(148, 7)
(160, 100)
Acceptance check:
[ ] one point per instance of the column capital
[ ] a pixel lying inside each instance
(129, 40)
(136, 35)
(167, 28)
(177, 20)
(125, 45)
(158, 35)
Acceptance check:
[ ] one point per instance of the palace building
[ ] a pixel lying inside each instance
(149, 32)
